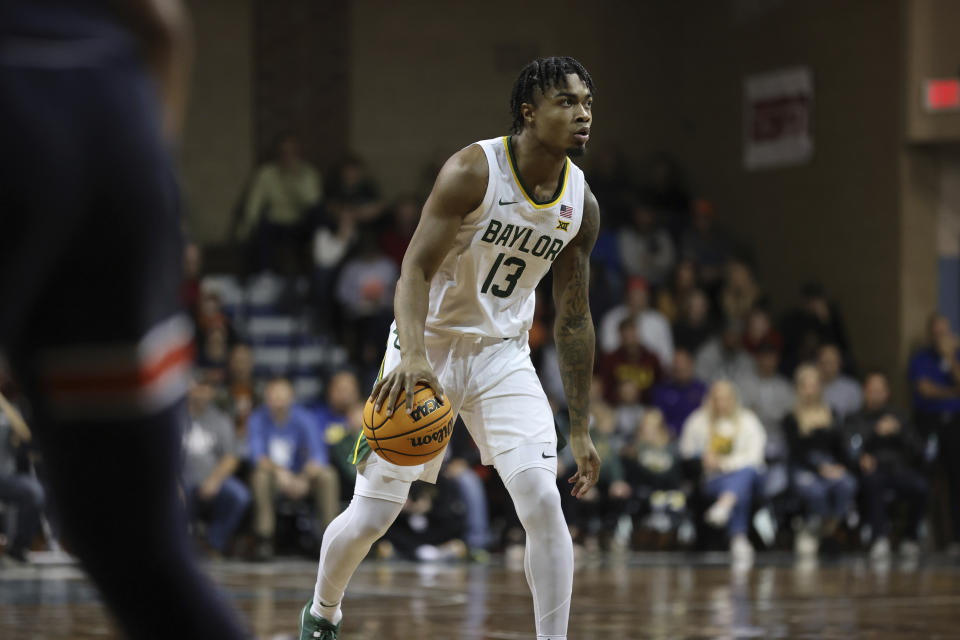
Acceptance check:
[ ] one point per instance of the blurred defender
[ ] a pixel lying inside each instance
(501, 214)
(89, 275)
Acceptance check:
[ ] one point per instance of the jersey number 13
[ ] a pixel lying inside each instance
(517, 265)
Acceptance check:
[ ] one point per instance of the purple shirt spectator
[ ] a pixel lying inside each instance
(289, 445)
(681, 395)
(677, 401)
(927, 364)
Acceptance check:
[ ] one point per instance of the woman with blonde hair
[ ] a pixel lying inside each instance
(819, 460)
(729, 440)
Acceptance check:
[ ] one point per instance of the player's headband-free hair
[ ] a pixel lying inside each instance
(542, 74)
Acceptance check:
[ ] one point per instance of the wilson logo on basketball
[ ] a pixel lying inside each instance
(424, 409)
(437, 436)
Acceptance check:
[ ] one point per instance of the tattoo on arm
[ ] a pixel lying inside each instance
(573, 331)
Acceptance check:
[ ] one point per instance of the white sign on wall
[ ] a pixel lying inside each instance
(778, 118)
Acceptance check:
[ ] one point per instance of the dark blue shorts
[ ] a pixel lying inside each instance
(90, 241)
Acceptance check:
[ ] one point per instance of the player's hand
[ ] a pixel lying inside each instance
(588, 465)
(404, 378)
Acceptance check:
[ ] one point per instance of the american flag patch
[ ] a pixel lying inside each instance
(565, 211)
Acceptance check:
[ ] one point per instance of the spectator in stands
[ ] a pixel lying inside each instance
(603, 411)
(606, 272)
(740, 292)
(680, 394)
(239, 395)
(289, 460)
(652, 327)
(628, 409)
(428, 529)
(595, 515)
(728, 439)
(353, 193)
(215, 336)
(816, 322)
(770, 396)
(341, 445)
(706, 244)
(460, 470)
(402, 221)
(333, 422)
(353, 204)
(548, 368)
(672, 298)
(630, 361)
(724, 357)
(333, 239)
(646, 249)
(275, 213)
(213, 492)
(935, 379)
(695, 325)
(19, 490)
(760, 331)
(891, 462)
(190, 283)
(365, 291)
(841, 392)
(652, 468)
(819, 461)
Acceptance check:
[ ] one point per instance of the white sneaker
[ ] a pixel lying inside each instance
(909, 549)
(741, 551)
(880, 549)
(719, 514)
(806, 544)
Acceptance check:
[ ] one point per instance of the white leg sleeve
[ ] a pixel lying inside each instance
(345, 543)
(549, 553)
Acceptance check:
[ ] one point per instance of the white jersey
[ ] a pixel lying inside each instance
(486, 284)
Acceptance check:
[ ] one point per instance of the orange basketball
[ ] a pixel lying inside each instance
(411, 438)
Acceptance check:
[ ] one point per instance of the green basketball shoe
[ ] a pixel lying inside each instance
(313, 628)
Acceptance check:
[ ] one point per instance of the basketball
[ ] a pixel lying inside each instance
(409, 439)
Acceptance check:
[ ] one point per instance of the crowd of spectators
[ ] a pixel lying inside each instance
(720, 424)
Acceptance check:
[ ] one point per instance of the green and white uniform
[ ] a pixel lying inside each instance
(481, 307)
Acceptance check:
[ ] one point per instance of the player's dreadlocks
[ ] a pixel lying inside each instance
(543, 73)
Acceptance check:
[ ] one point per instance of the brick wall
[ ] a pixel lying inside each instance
(301, 76)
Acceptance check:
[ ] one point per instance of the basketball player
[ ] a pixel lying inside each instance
(501, 213)
(91, 94)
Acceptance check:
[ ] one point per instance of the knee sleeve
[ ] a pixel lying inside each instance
(535, 497)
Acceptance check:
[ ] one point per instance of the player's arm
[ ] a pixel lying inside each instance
(459, 189)
(574, 334)
(163, 27)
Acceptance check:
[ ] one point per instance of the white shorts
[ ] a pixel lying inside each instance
(493, 386)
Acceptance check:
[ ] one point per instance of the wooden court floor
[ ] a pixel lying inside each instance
(655, 596)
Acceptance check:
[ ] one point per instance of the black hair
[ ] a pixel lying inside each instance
(541, 74)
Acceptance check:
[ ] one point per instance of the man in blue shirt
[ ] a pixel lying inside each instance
(290, 459)
(935, 380)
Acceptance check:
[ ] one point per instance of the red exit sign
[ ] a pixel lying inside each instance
(942, 94)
